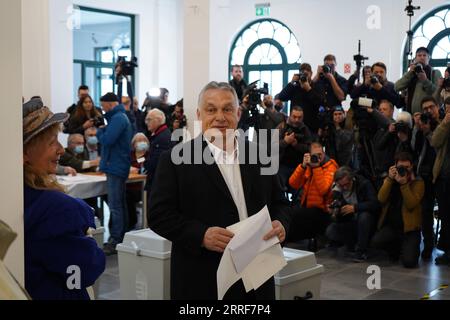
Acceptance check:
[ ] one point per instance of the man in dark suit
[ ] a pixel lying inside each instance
(202, 187)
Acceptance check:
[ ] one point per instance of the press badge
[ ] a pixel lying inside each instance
(141, 160)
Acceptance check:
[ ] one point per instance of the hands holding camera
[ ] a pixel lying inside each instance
(290, 139)
(309, 160)
(446, 119)
(89, 124)
(421, 75)
(394, 175)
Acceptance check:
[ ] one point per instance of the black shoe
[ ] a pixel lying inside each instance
(427, 254)
(359, 257)
(443, 259)
(109, 249)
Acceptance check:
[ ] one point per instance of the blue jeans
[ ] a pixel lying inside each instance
(116, 188)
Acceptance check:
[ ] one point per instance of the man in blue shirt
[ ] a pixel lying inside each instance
(115, 141)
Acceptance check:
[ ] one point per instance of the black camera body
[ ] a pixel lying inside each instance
(303, 76)
(98, 122)
(125, 68)
(315, 159)
(326, 68)
(374, 79)
(401, 127)
(402, 171)
(254, 94)
(419, 68)
(299, 136)
(336, 205)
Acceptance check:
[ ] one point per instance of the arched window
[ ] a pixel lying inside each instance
(268, 51)
(433, 32)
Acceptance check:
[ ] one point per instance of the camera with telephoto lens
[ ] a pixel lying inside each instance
(401, 127)
(336, 205)
(419, 68)
(254, 94)
(125, 68)
(402, 171)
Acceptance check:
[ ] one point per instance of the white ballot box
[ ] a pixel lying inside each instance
(300, 278)
(144, 266)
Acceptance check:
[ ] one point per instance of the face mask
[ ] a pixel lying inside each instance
(92, 141)
(79, 149)
(142, 146)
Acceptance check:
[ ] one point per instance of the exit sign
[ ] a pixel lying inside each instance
(262, 10)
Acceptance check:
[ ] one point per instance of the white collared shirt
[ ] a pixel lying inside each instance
(228, 164)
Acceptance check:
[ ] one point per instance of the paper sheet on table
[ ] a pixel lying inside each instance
(257, 259)
(80, 178)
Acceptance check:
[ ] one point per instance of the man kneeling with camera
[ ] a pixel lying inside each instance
(401, 218)
(353, 211)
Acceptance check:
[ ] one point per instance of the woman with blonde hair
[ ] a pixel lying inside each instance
(61, 258)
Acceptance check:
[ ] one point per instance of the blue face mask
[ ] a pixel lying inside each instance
(142, 146)
(92, 141)
(79, 149)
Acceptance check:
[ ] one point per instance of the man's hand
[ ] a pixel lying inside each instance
(446, 118)
(306, 160)
(401, 180)
(377, 86)
(70, 171)
(296, 78)
(348, 209)
(305, 86)
(290, 138)
(216, 239)
(95, 163)
(402, 136)
(422, 76)
(393, 172)
(88, 124)
(277, 231)
(392, 128)
(134, 170)
(412, 67)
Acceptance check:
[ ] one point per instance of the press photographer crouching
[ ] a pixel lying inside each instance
(354, 212)
(301, 91)
(377, 87)
(401, 217)
(295, 139)
(315, 177)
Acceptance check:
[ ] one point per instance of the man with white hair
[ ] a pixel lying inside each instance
(160, 140)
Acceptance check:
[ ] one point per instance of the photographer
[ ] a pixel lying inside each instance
(301, 91)
(441, 174)
(295, 138)
(315, 177)
(400, 221)
(354, 211)
(85, 116)
(330, 83)
(420, 81)
(426, 155)
(366, 71)
(237, 82)
(377, 87)
(337, 139)
(443, 88)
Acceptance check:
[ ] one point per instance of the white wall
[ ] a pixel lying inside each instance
(321, 27)
(11, 186)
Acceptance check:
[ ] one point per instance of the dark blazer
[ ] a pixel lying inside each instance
(187, 199)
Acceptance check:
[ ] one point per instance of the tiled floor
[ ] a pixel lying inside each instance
(342, 279)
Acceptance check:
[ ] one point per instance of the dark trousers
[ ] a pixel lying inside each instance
(284, 173)
(357, 231)
(307, 223)
(133, 197)
(427, 215)
(443, 197)
(397, 242)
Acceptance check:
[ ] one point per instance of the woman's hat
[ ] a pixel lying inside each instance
(36, 118)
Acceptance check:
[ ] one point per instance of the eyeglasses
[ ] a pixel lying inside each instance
(428, 108)
(148, 120)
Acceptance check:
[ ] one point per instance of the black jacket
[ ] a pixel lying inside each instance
(187, 199)
(387, 92)
(309, 101)
(325, 88)
(240, 88)
(293, 156)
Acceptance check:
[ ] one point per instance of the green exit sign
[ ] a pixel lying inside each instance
(263, 10)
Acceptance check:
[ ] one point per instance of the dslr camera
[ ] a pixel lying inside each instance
(254, 94)
(402, 171)
(419, 68)
(374, 79)
(326, 69)
(98, 122)
(315, 158)
(125, 68)
(336, 205)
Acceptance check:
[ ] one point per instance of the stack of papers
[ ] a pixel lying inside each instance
(248, 256)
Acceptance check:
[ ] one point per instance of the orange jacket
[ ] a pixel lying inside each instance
(316, 184)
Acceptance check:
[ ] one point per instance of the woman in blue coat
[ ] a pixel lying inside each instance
(61, 259)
